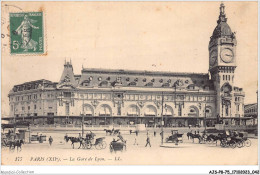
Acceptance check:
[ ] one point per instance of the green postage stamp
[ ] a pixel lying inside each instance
(26, 33)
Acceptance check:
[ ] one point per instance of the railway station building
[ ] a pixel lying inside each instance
(129, 97)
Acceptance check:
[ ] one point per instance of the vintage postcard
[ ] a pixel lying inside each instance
(129, 83)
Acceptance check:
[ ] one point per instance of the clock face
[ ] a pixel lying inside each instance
(227, 55)
(213, 57)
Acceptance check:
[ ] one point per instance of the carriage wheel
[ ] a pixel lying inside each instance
(248, 143)
(88, 146)
(240, 144)
(223, 144)
(111, 148)
(12, 148)
(98, 146)
(233, 144)
(208, 141)
(213, 142)
(104, 145)
(83, 145)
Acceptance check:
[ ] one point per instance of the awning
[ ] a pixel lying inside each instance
(88, 112)
(132, 113)
(149, 113)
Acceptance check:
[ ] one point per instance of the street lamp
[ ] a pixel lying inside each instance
(162, 122)
(205, 120)
(83, 120)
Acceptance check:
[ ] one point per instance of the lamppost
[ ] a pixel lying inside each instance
(83, 119)
(136, 115)
(162, 122)
(205, 124)
(29, 128)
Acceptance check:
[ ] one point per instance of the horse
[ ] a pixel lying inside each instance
(108, 131)
(75, 140)
(16, 143)
(116, 131)
(133, 132)
(193, 136)
(67, 138)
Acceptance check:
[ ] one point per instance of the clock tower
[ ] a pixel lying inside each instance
(222, 64)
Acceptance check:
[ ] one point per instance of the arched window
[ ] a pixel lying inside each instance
(105, 110)
(193, 111)
(208, 111)
(168, 111)
(133, 110)
(150, 111)
(88, 110)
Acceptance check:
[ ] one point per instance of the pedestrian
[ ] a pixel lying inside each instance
(120, 137)
(154, 133)
(136, 133)
(148, 141)
(50, 140)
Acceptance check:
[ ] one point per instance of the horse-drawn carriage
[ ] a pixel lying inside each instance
(175, 137)
(236, 139)
(231, 139)
(87, 142)
(11, 141)
(4, 140)
(117, 146)
(99, 143)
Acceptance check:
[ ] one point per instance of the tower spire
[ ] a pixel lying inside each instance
(222, 8)
(222, 15)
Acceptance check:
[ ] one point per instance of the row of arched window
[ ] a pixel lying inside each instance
(149, 110)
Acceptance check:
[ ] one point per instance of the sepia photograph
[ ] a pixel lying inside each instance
(129, 83)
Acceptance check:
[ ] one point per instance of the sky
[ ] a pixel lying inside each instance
(155, 36)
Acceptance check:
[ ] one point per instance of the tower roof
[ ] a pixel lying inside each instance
(222, 29)
(67, 77)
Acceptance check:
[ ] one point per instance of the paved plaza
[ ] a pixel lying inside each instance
(186, 153)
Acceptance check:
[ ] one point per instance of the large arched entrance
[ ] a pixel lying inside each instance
(150, 114)
(193, 116)
(168, 116)
(133, 112)
(104, 113)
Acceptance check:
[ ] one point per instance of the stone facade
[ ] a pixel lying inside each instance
(127, 97)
